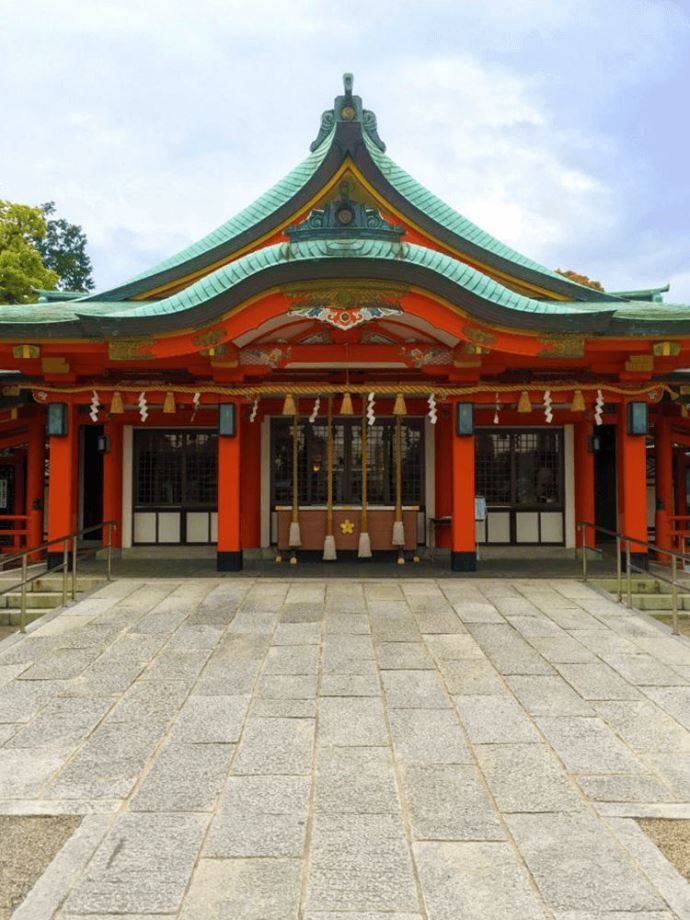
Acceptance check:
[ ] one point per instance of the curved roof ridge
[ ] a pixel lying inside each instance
(460, 273)
(441, 212)
(277, 195)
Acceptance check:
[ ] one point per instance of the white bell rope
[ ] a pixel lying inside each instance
(93, 408)
(433, 411)
(371, 412)
(598, 408)
(143, 407)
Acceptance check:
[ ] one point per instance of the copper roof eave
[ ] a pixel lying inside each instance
(104, 327)
(348, 141)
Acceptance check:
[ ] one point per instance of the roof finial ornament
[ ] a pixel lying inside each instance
(348, 108)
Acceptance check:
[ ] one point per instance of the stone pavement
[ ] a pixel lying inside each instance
(418, 749)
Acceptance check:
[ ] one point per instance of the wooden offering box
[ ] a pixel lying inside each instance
(346, 527)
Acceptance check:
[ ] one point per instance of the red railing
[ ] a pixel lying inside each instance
(18, 534)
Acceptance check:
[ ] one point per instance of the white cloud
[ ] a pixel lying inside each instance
(151, 123)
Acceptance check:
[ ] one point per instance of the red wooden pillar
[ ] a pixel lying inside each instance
(35, 472)
(632, 477)
(229, 548)
(250, 497)
(663, 481)
(112, 482)
(681, 480)
(584, 483)
(444, 476)
(463, 555)
(62, 492)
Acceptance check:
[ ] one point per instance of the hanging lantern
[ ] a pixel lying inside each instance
(289, 407)
(524, 405)
(578, 403)
(399, 407)
(116, 407)
(346, 405)
(169, 404)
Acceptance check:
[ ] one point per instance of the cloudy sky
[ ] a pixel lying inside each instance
(561, 126)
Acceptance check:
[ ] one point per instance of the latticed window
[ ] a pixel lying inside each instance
(522, 467)
(347, 461)
(176, 468)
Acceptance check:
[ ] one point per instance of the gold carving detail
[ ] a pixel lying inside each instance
(130, 350)
(54, 365)
(23, 352)
(666, 349)
(347, 527)
(563, 346)
(640, 364)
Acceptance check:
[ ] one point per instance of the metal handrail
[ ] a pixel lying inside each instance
(69, 541)
(628, 541)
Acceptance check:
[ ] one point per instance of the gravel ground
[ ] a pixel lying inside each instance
(673, 839)
(29, 845)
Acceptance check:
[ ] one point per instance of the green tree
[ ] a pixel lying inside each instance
(21, 265)
(63, 247)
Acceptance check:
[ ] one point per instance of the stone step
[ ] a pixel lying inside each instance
(639, 585)
(54, 583)
(48, 600)
(12, 616)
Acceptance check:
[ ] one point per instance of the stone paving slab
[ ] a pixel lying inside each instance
(418, 749)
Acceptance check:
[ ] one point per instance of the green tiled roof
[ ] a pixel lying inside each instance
(443, 214)
(226, 277)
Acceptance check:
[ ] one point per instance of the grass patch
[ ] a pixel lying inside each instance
(672, 836)
(29, 844)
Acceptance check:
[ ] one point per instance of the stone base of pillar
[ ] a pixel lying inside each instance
(463, 562)
(53, 560)
(229, 562)
(638, 561)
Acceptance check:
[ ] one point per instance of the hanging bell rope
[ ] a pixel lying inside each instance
(364, 548)
(578, 403)
(295, 537)
(524, 404)
(169, 404)
(329, 553)
(346, 405)
(398, 526)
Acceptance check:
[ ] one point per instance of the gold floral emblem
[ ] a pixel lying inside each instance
(347, 527)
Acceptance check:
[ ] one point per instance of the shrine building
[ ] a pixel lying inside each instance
(346, 368)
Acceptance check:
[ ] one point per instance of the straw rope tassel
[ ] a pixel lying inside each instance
(364, 548)
(329, 553)
(398, 526)
(295, 537)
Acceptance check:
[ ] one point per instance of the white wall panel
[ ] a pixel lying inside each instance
(144, 527)
(197, 527)
(551, 527)
(498, 527)
(527, 527)
(169, 527)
